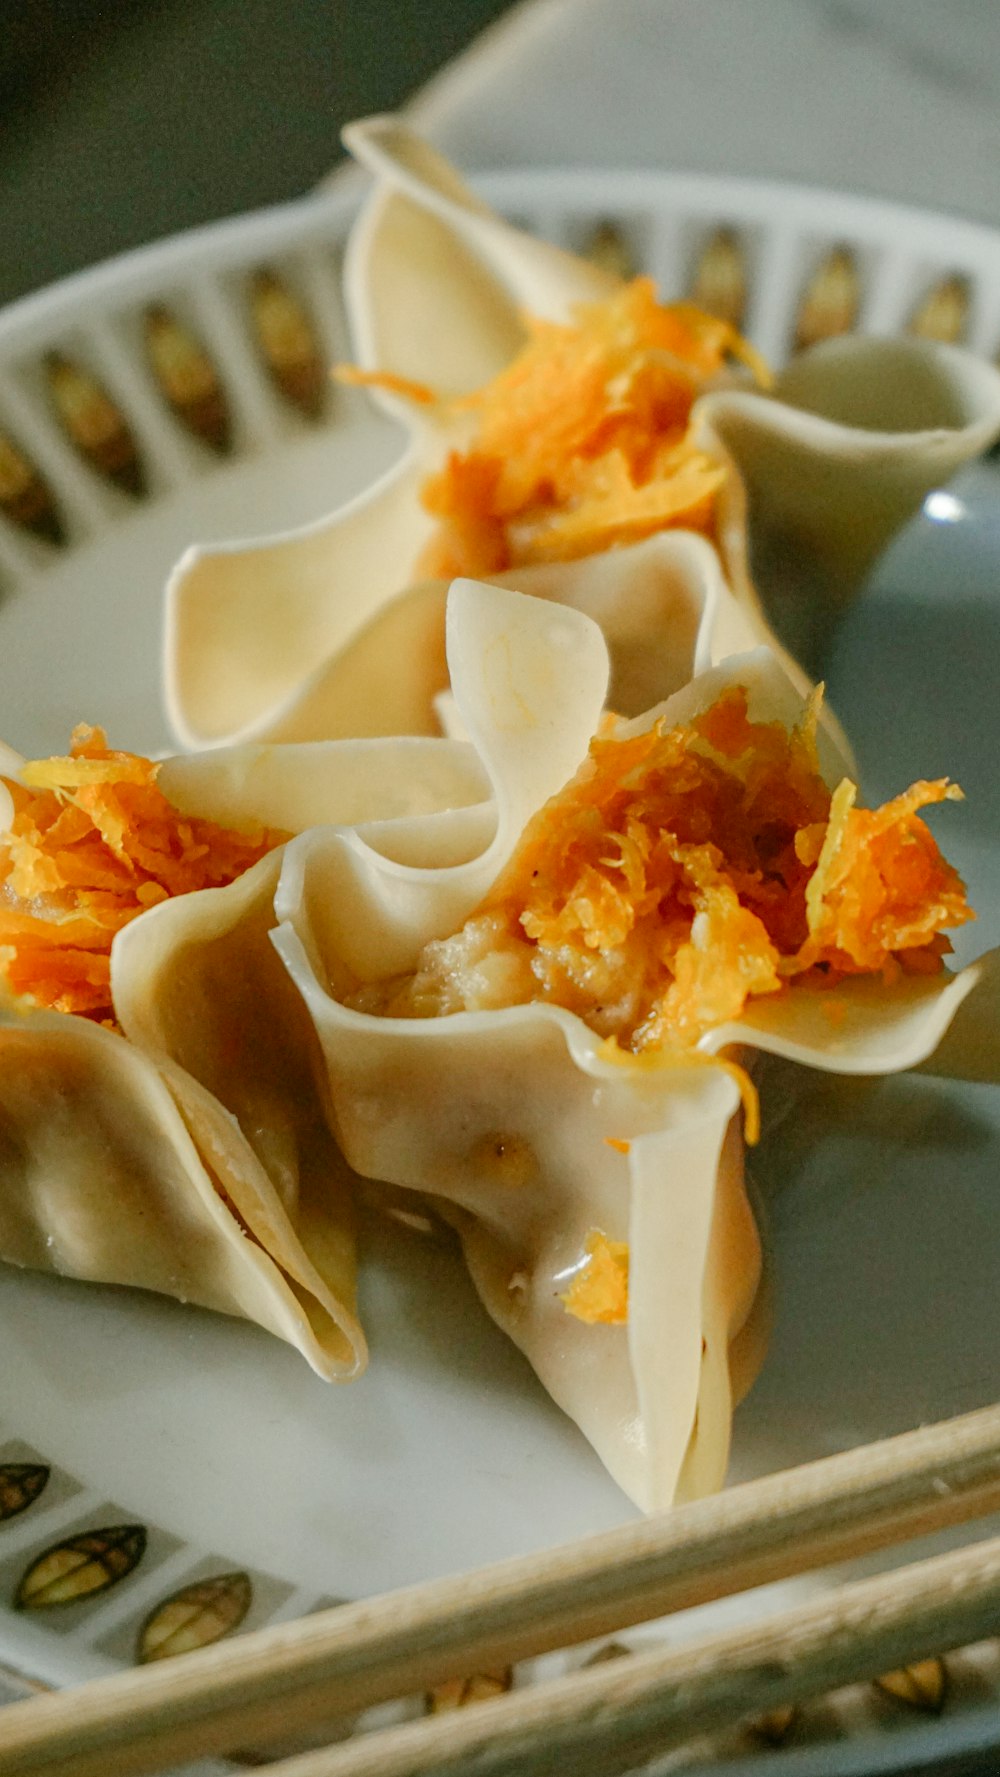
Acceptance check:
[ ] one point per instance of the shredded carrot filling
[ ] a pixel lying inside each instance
(685, 871)
(355, 378)
(94, 843)
(583, 441)
(598, 1291)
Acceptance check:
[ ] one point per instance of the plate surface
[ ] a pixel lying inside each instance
(180, 394)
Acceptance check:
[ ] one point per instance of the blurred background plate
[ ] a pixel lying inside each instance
(182, 393)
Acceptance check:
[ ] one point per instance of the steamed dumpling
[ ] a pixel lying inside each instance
(598, 1194)
(195, 1159)
(333, 629)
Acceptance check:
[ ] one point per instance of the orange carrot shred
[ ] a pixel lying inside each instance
(598, 1291)
(94, 843)
(583, 440)
(353, 377)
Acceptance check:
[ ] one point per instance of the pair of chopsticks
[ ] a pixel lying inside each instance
(606, 1718)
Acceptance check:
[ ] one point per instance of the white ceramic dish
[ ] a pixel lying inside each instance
(218, 1442)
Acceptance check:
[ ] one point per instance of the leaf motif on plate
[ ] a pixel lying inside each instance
(612, 1650)
(943, 314)
(20, 1485)
(195, 1616)
(719, 283)
(458, 1693)
(93, 424)
(608, 248)
(288, 341)
(775, 1725)
(187, 377)
(830, 300)
(81, 1566)
(26, 497)
(923, 1685)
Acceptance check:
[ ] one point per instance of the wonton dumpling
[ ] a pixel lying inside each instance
(102, 1178)
(531, 1136)
(196, 1159)
(289, 637)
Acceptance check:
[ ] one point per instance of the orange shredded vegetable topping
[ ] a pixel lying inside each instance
(685, 871)
(355, 378)
(94, 843)
(599, 1289)
(584, 440)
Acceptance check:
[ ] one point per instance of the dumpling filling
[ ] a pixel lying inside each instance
(685, 871)
(583, 441)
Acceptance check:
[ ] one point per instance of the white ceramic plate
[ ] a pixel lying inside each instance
(209, 1449)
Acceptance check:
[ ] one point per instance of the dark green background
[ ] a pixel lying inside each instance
(121, 121)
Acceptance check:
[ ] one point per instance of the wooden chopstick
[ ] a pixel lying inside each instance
(339, 1661)
(615, 1716)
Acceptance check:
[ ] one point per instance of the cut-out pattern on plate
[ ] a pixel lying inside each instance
(289, 344)
(719, 282)
(611, 1650)
(187, 377)
(608, 246)
(775, 1726)
(25, 496)
(923, 1686)
(94, 425)
(830, 301)
(478, 1687)
(943, 313)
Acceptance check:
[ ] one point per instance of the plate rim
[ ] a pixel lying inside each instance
(595, 185)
